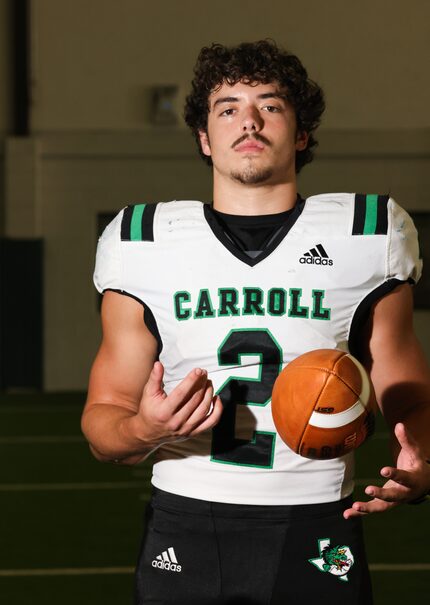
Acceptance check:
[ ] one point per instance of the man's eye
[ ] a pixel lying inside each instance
(228, 112)
(271, 108)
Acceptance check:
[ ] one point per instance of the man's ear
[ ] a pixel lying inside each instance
(302, 139)
(204, 142)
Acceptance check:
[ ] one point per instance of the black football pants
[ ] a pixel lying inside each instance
(203, 553)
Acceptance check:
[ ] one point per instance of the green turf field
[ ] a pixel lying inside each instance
(70, 526)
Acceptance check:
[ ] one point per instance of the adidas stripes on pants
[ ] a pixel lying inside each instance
(203, 553)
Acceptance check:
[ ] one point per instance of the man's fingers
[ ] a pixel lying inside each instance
(191, 385)
(189, 409)
(405, 439)
(397, 475)
(154, 386)
(212, 418)
(359, 509)
(401, 486)
(202, 409)
(194, 410)
(394, 493)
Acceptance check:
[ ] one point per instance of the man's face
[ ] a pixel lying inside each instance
(252, 134)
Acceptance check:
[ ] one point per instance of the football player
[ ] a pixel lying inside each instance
(203, 306)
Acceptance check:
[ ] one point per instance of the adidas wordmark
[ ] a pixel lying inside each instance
(316, 256)
(167, 560)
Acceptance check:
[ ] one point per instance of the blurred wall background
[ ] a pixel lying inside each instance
(95, 143)
(5, 94)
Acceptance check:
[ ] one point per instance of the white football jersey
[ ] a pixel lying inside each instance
(244, 319)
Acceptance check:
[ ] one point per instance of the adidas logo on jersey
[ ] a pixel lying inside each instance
(167, 560)
(316, 256)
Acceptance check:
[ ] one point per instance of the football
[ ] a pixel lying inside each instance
(324, 404)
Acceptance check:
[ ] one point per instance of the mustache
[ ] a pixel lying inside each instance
(256, 137)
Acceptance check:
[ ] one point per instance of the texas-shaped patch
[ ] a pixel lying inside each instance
(336, 560)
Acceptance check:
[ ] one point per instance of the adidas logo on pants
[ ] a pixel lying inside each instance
(167, 560)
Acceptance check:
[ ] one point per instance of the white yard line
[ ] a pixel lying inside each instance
(24, 408)
(89, 571)
(66, 571)
(36, 440)
(46, 487)
(399, 567)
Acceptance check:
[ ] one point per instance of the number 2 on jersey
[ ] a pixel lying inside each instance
(237, 346)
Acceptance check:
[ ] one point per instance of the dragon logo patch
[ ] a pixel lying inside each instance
(336, 560)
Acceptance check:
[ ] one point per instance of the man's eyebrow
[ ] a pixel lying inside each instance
(273, 95)
(226, 100)
(264, 95)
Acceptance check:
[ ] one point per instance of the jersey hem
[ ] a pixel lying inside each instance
(214, 497)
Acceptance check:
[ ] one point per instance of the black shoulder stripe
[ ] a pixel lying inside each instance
(359, 214)
(126, 223)
(382, 218)
(370, 214)
(138, 223)
(148, 223)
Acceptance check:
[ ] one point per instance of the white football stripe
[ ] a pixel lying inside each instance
(365, 384)
(332, 421)
(172, 555)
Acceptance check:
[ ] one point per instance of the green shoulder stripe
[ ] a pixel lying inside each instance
(138, 223)
(370, 214)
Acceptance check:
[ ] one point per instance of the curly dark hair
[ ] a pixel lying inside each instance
(253, 63)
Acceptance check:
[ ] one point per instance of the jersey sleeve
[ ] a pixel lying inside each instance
(107, 273)
(403, 257)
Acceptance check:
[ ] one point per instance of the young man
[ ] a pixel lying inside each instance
(203, 305)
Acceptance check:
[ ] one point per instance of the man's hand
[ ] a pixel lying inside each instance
(190, 409)
(128, 414)
(406, 482)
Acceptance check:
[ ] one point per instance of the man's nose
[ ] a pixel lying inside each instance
(252, 120)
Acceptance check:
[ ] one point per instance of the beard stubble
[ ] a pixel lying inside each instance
(252, 175)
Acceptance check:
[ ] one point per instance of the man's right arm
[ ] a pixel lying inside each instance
(128, 414)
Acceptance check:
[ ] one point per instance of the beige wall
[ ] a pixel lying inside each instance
(94, 59)
(93, 150)
(5, 99)
(69, 179)
(5, 68)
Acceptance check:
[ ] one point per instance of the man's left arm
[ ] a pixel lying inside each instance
(401, 377)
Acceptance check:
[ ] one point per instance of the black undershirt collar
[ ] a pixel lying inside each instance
(251, 234)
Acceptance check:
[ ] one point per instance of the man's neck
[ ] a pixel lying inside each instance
(236, 198)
